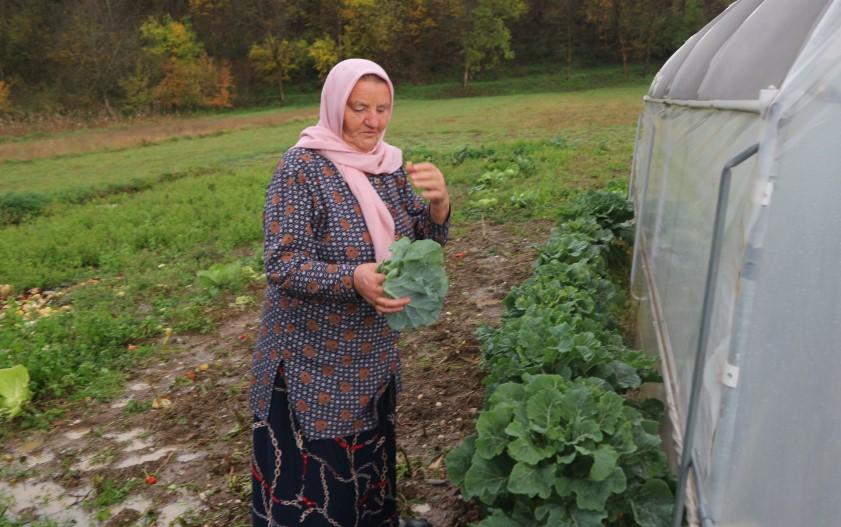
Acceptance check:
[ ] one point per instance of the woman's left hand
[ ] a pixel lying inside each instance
(430, 181)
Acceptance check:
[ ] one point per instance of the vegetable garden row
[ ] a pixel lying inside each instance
(564, 438)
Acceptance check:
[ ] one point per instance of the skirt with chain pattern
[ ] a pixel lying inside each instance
(341, 482)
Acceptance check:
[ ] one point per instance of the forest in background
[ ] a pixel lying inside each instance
(127, 57)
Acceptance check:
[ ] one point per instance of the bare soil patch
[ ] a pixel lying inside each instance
(144, 132)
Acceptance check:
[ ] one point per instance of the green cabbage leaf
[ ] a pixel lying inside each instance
(14, 390)
(415, 270)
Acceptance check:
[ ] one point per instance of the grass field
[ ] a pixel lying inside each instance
(124, 229)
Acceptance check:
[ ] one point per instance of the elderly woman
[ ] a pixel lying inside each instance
(326, 369)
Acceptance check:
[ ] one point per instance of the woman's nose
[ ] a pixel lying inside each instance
(372, 119)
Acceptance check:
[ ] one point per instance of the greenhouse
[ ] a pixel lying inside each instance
(736, 182)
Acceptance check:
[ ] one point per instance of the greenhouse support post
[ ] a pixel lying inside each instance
(639, 212)
(706, 317)
(703, 508)
(633, 175)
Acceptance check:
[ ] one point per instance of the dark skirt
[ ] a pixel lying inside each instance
(341, 482)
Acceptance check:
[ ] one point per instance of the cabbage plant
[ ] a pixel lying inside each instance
(14, 390)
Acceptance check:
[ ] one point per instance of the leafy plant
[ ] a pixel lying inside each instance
(232, 276)
(545, 340)
(558, 321)
(78, 352)
(415, 270)
(14, 390)
(576, 288)
(609, 209)
(468, 152)
(522, 199)
(554, 452)
(484, 203)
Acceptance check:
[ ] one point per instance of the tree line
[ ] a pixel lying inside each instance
(139, 56)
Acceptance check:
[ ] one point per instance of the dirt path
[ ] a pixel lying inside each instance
(144, 132)
(184, 417)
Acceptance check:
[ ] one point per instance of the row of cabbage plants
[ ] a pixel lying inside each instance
(564, 438)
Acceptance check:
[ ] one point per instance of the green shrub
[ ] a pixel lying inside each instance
(16, 207)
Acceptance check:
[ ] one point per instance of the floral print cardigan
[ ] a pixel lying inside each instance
(337, 354)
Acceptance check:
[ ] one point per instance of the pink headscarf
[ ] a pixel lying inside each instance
(326, 138)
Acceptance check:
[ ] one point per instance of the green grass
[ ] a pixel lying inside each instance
(66, 175)
(128, 261)
(508, 80)
(542, 81)
(109, 492)
(5, 522)
(196, 220)
(443, 123)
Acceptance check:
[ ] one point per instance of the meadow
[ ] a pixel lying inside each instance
(139, 242)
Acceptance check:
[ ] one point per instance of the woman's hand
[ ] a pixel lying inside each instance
(430, 181)
(369, 283)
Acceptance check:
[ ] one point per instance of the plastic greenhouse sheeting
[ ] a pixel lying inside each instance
(765, 442)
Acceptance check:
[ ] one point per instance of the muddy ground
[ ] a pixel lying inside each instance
(183, 417)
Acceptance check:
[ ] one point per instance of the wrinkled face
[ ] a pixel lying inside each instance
(367, 113)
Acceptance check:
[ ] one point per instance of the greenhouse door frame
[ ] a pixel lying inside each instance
(686, 457)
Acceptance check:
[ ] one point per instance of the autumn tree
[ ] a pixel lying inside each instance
(23, 48)
(419, 23)
(86, 54)
(274, 60)
(635, 28)
(325, 54)
(651, 17)
(569, 15)
(222, 25)
(430, 32)
(228, 28)
(189, 78)
(5, 97)
(683, 19)
(615, 23)
(370, 28)
(170, 39)
(93, 49)
(487, 37)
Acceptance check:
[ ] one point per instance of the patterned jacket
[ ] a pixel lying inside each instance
(337, 354)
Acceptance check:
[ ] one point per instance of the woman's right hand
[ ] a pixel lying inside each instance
(369, 284)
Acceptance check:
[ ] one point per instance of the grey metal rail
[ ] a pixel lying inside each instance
(703, 509)
(706, 317)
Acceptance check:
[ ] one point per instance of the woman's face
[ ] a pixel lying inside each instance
(367, 113)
